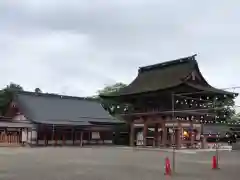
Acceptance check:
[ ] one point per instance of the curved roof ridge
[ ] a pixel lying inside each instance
(187, 59)
(52, 95)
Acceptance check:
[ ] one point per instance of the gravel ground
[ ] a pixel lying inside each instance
(111, 163)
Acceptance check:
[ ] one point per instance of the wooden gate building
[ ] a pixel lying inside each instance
(167, 103)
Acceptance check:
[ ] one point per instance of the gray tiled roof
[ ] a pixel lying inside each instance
(57, 109)
(159, 76)
(164, 76)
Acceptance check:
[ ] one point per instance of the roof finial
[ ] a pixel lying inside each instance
(193, 56)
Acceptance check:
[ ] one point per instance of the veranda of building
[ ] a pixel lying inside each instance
(170, 100)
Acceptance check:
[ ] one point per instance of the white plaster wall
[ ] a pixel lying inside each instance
(27, 135)
(140, 138)
(34, 136)
(24, 135)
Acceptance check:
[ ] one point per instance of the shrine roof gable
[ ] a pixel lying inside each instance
(164, 76)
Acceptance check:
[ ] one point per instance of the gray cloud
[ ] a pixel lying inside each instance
(76, 47)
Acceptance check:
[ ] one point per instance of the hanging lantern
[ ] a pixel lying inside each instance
(185, 133)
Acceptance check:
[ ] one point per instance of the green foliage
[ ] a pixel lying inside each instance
(235, 118)
(6, 96)
(38, 90)
(111, 106)
(111, 89)
(224, 109)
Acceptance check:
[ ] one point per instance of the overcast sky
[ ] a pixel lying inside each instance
(78, 47)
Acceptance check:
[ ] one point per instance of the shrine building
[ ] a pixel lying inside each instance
(167, 104)
(40, 119)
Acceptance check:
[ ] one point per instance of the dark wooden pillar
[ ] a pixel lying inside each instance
(56, 136)
(73, 131)
(101, 134)
(81, 138)
(89, 136)
(53, 134)
(63, 138)
(178, 136)
(203, 138)
(27, 136)
(145, 130)
(45, 137)
(37, 129)
(192, 138)
(164, 133)
(132, 134)
(156, 135)
(31, 136)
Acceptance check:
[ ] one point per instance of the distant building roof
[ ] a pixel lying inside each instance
(164, 76)
(62, 110)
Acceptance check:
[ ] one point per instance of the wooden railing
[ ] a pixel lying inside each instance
(9, 138)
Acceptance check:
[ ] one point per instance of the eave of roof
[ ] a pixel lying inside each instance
(158, 77)
(63, 122)
(10, 124)
(166, 76)
(209, 89)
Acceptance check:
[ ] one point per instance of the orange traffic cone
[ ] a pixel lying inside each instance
(214, 163)
(167, 167)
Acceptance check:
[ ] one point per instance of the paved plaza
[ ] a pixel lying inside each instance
(111, 163)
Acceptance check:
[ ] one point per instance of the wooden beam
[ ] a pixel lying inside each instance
(73, 136)
(145, 130)
(132, 134)
(81, 138)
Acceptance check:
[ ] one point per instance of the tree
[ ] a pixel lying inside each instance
(13, 87)
(38, 90)
(111, 106)
(235, 118)
(112, 88)
(225, 109)
(6, 96)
